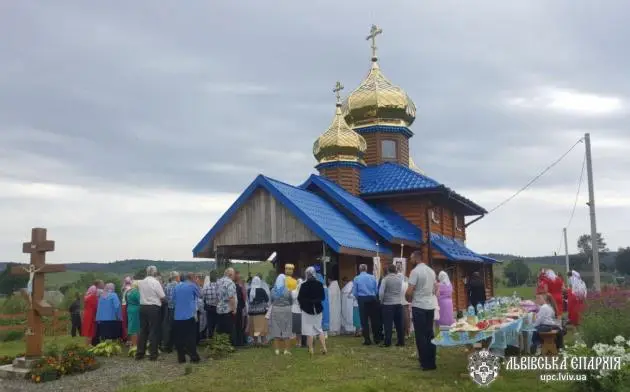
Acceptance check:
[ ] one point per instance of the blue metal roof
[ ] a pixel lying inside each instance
(454, 249)
(395, 178)
(329, 224)
(392, 177)
(385, 222)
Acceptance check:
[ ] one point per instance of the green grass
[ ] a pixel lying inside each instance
(19, 346)
(348, 367)
(54, 281)
(525, 292)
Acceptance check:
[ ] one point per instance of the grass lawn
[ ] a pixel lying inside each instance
(525, 292)
(19, 346)
(348, 367)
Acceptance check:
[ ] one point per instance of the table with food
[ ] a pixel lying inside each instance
(498, 324)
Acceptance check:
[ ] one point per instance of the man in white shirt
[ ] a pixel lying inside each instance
(421, 292)
(151, 298)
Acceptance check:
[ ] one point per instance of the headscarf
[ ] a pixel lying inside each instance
(577, 285)
(278, 286)
(443, 278)
(256, 284)
(91, 291)
(310, 273)
(134, 284)
(551, 275)
(109, 288)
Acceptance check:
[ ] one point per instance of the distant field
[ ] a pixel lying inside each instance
(56, 280)
(526, 292)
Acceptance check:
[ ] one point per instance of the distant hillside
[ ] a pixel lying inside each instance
(608, 259)
(130, 266)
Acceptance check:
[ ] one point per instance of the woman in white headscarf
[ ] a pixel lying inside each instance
(281, 317)
(310, 297)
(445, 299)
(258, 304)
(577, 295)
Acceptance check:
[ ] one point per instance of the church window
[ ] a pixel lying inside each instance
(435, 217)
(459, 223)
(388, 149)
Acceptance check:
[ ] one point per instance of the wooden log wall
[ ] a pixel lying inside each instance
(349, 178)
(488, 278)
(373, 155)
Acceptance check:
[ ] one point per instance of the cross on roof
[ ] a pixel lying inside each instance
(337, 91)
(374, 31)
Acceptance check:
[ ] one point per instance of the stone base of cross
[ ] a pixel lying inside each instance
(34, 293)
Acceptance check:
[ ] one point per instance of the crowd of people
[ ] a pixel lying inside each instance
(157, 316)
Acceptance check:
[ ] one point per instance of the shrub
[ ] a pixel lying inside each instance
(220, 346)
(606, 316)
(602, 379)
(11, 336)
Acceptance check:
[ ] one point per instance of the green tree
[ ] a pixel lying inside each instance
(622, 261)
(516, 272)
(140, 274)
(10, 283)
(585, 244)
(579, 262)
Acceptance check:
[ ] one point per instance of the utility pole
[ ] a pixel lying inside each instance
(566, 250)
(591, 205)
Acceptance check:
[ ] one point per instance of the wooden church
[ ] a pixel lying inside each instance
(369, 200)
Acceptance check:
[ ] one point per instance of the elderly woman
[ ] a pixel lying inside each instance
(281, 318)
(109, 315)
(132, 298)
(90, 305)
(258, 304)
(310, 298)
(445, 299)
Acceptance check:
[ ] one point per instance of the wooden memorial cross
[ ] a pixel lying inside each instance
(38, 247)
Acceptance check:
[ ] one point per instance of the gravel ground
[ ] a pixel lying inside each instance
(113, 374)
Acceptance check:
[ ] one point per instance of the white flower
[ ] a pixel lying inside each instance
(619, 339)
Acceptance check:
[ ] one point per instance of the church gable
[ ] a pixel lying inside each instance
(263, 220)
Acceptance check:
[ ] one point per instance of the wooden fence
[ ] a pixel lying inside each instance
(55, 325)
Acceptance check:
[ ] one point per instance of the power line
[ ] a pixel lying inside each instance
(577, 194)
(554, 163)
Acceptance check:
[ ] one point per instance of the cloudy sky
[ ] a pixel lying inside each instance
(127, 128)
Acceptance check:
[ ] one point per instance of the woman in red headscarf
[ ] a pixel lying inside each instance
(542, 286)
(90, 305)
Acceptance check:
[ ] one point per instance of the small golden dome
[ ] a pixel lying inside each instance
(339, 143)
(378, 101)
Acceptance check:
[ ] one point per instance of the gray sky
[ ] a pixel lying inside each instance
(127, 128)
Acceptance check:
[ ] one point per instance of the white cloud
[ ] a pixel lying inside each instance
(569, 101)
(91, 224)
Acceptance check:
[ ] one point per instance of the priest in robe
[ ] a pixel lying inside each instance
(347, 307)
(334, 305)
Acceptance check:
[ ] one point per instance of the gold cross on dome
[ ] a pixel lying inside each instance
(374, 31)
(337, 91)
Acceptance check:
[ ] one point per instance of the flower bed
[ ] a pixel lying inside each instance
(606, 315)
(603, 379)
(72, 359)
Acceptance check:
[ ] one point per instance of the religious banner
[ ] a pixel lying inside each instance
(401, 265)
(377, 268)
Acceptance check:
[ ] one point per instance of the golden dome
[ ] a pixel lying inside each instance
(378, 101)
(339, 143)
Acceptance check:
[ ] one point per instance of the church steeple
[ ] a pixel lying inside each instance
(339, 151)
(381, 112)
